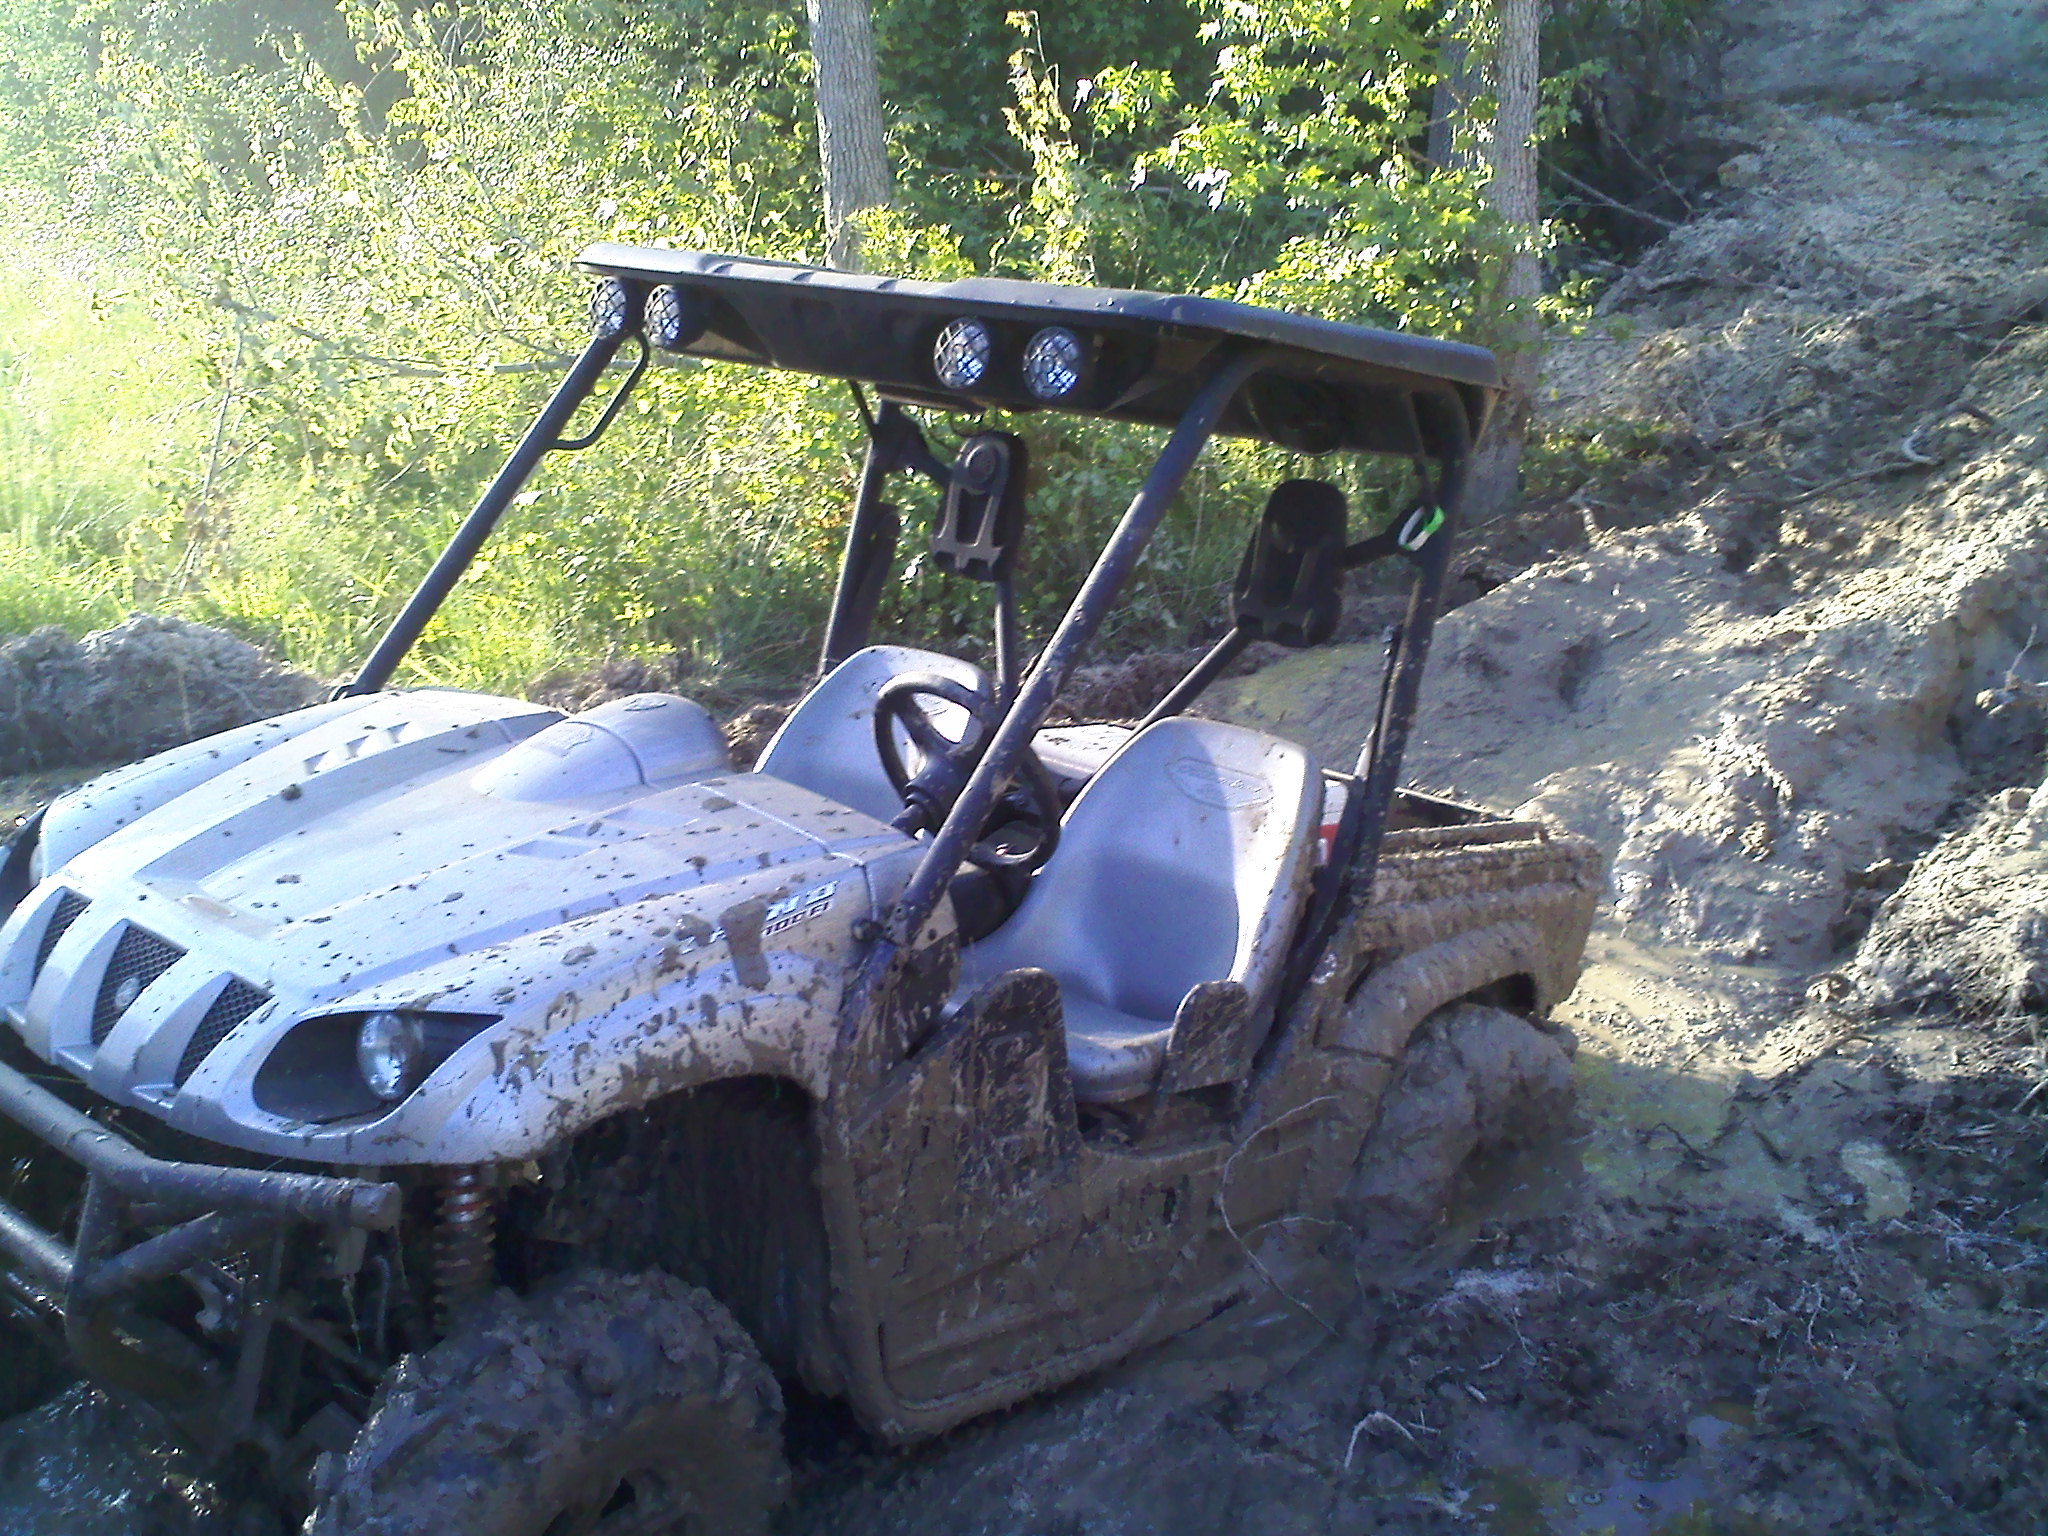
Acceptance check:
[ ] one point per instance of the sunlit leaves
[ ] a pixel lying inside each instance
(353, 224)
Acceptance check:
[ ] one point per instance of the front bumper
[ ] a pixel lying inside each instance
(198, 1213)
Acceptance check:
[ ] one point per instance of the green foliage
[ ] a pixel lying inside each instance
(1288, 175)
(283, 285)
(1590, 456)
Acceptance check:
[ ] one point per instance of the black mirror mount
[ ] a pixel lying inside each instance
(1289, 587)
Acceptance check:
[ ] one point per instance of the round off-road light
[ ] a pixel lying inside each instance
(611, 309)
(673, 318)
(129, 989)
(388, 1050)
(961, 354)
(1053, 360)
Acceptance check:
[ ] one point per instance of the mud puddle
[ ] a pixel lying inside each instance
(82, 1465)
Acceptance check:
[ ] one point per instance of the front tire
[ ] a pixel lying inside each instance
(604, 1405)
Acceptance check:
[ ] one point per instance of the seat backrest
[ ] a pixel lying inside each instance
(1186, 859)
(827, 744)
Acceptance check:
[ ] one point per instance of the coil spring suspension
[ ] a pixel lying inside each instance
(464, 1252)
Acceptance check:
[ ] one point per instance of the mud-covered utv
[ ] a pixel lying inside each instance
(475, 1111)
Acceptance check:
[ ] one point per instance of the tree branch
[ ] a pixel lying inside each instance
(1667, 225)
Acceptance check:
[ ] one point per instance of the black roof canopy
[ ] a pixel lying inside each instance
(1327, 385)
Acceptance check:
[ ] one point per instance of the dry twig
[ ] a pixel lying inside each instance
(1223, 1210)
(1379, 1419)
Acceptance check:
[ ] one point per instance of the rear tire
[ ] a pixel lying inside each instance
(1475, 1079)
(604, 1405)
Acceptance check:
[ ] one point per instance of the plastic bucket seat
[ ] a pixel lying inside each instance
(827, 744)
(1185, 860)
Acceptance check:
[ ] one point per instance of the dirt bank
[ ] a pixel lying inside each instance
(1761, 690)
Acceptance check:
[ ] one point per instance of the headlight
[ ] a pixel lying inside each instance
(389, 1049)
(673, 319)
(960, 355)
(342, 1066)
(611, 308)
(1053, 363)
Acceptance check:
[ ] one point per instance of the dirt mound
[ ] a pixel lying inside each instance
(618, 677)
(1844, 50)
(139, 687)
(1763, 693)
(1969, 927)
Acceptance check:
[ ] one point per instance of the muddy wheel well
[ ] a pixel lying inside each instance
(715, 1185)
(1511, 994)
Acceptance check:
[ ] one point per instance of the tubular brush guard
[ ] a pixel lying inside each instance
(219, 1211)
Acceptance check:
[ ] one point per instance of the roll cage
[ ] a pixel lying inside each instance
(1199, 366)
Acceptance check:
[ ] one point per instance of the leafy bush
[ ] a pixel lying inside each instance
(283, 292)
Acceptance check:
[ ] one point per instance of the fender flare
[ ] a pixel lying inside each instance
(1395, 999)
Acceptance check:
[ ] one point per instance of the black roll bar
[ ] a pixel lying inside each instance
(1355, 852)
(1379, 760)
(542, 438)
(894, 445)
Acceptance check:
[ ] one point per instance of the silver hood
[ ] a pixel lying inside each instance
(598, 904)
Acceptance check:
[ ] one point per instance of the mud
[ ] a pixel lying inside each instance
(83, 1466)
(1785, 1268)
(137, 688)
(568, 1404)
(1968, 928)
(1473, 1080)
(1760, 690)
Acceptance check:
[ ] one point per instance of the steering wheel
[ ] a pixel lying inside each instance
(1030, 801)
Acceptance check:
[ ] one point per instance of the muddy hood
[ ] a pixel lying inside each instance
(604, 906)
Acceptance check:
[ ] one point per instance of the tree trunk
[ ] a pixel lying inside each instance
(854, 154)
(1450, 145)
(1511, 163)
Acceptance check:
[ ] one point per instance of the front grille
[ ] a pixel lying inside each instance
(140, 957)
(236, 1002)
(69, 905)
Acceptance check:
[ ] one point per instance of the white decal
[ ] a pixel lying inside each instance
(1215, 785)
(791, 910)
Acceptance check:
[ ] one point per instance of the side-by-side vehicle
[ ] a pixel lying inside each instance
(479, 1113)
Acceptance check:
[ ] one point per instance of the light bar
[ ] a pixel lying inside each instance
(611, 309)
(673, 318)
(1053, 363)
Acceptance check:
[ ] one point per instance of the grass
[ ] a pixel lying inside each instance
(94, 398)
